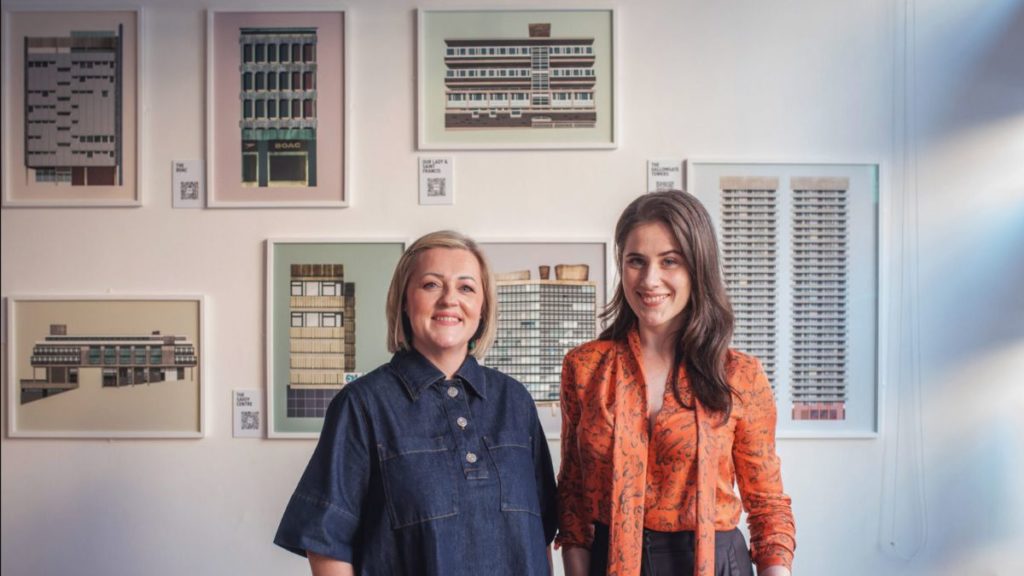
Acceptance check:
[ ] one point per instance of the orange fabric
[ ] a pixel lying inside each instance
(682, 477)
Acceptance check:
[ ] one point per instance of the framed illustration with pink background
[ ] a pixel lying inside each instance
(276, 119)
(71, 97)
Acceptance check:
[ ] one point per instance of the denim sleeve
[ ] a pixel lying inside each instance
(324, 511)
(547, 495)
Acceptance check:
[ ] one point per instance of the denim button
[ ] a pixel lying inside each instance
(462, 422)
(470, 457)
(453, 391)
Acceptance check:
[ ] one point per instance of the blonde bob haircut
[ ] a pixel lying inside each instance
(399, 328)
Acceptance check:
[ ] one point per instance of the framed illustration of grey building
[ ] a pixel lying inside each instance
(276, 109)
(800, 245)
(516, 79)
(325, 324)
(71, 98)
(549, 296)
(105, 366)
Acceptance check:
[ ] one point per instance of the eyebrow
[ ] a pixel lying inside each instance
(463, 277)
(665, 253)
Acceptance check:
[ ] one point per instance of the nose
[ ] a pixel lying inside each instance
(448, 296)
(649, 277)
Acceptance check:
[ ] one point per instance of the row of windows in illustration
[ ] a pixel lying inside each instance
(485, 98)
(279, 52)
(111, 355)
(518, 51)
(106, 62)
(278, 108)
(518, 73)
(317, 319)
(279, 81)
(316, 288)
(46, 94)
(86, 153)
(89, 139)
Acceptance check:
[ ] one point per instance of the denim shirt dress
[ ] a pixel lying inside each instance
(415, 474)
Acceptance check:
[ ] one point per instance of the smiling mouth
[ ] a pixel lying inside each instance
(653, 299)
(446, 320)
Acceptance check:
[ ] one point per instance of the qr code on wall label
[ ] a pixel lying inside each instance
(189, 190)
(250, 420)
(436, 187)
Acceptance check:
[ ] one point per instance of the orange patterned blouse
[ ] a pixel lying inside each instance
(612, 471)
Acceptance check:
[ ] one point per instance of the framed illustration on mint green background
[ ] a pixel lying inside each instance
(276, 107)
(516, 79)
(325, 324)
(72, 94)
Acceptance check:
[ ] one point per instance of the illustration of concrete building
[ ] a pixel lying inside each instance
(278, 80)
(535, 82)
(125, 360)
(820, 259)
(73, 107)
(750, 245)
(539, 321)
(322, 337)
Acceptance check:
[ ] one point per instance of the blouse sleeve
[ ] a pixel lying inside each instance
(573, 521)
(324, 511)
(770, 517)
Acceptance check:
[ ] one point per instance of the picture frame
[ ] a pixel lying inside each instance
(517, 79)
(325, 321)
(72, 118)
(277, 109)
(572, 291)
(802, 244)
(110, 366)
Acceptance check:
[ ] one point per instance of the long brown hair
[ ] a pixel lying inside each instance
(703, 340)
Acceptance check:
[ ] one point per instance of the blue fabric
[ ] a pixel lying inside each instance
(397, 486)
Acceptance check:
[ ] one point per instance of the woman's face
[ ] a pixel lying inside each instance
(654, 277)
(443, 301)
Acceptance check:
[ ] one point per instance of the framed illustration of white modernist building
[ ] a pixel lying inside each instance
(507, 79)
(800, 245)
(72, 93)
(276, 109)
(325, 324)
(105, 366)
(549, 295)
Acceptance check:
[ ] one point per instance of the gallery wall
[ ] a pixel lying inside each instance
(929, 89)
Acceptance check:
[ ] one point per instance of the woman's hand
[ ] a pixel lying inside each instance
(775, 571)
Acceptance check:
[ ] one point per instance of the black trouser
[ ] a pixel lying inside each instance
(672, 553)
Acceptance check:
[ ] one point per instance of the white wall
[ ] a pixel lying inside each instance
(930, 88)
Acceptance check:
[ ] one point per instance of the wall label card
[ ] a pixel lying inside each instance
(436, 182)
(187, 187)
(248, 413)
(663, 174)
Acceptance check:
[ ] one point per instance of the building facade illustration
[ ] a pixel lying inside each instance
(322, 337)
(279, 106)
(125, 360)
(539, 321)
(73, 108)
(535, 82)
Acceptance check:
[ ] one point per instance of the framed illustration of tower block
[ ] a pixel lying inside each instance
(325, 324)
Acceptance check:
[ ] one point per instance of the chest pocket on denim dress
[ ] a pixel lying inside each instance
(419, 476)
(513, 458)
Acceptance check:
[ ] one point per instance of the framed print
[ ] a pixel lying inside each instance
(800, 245)
(325, 324)
(276, 109)
(105, 366)
(549, 296)
(507, 79)
(72, 91)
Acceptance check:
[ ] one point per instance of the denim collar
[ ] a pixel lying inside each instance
(417, 373)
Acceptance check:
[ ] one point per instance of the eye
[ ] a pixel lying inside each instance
(670, 262)
(635, 262)
(467, 288)
(430, 285)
